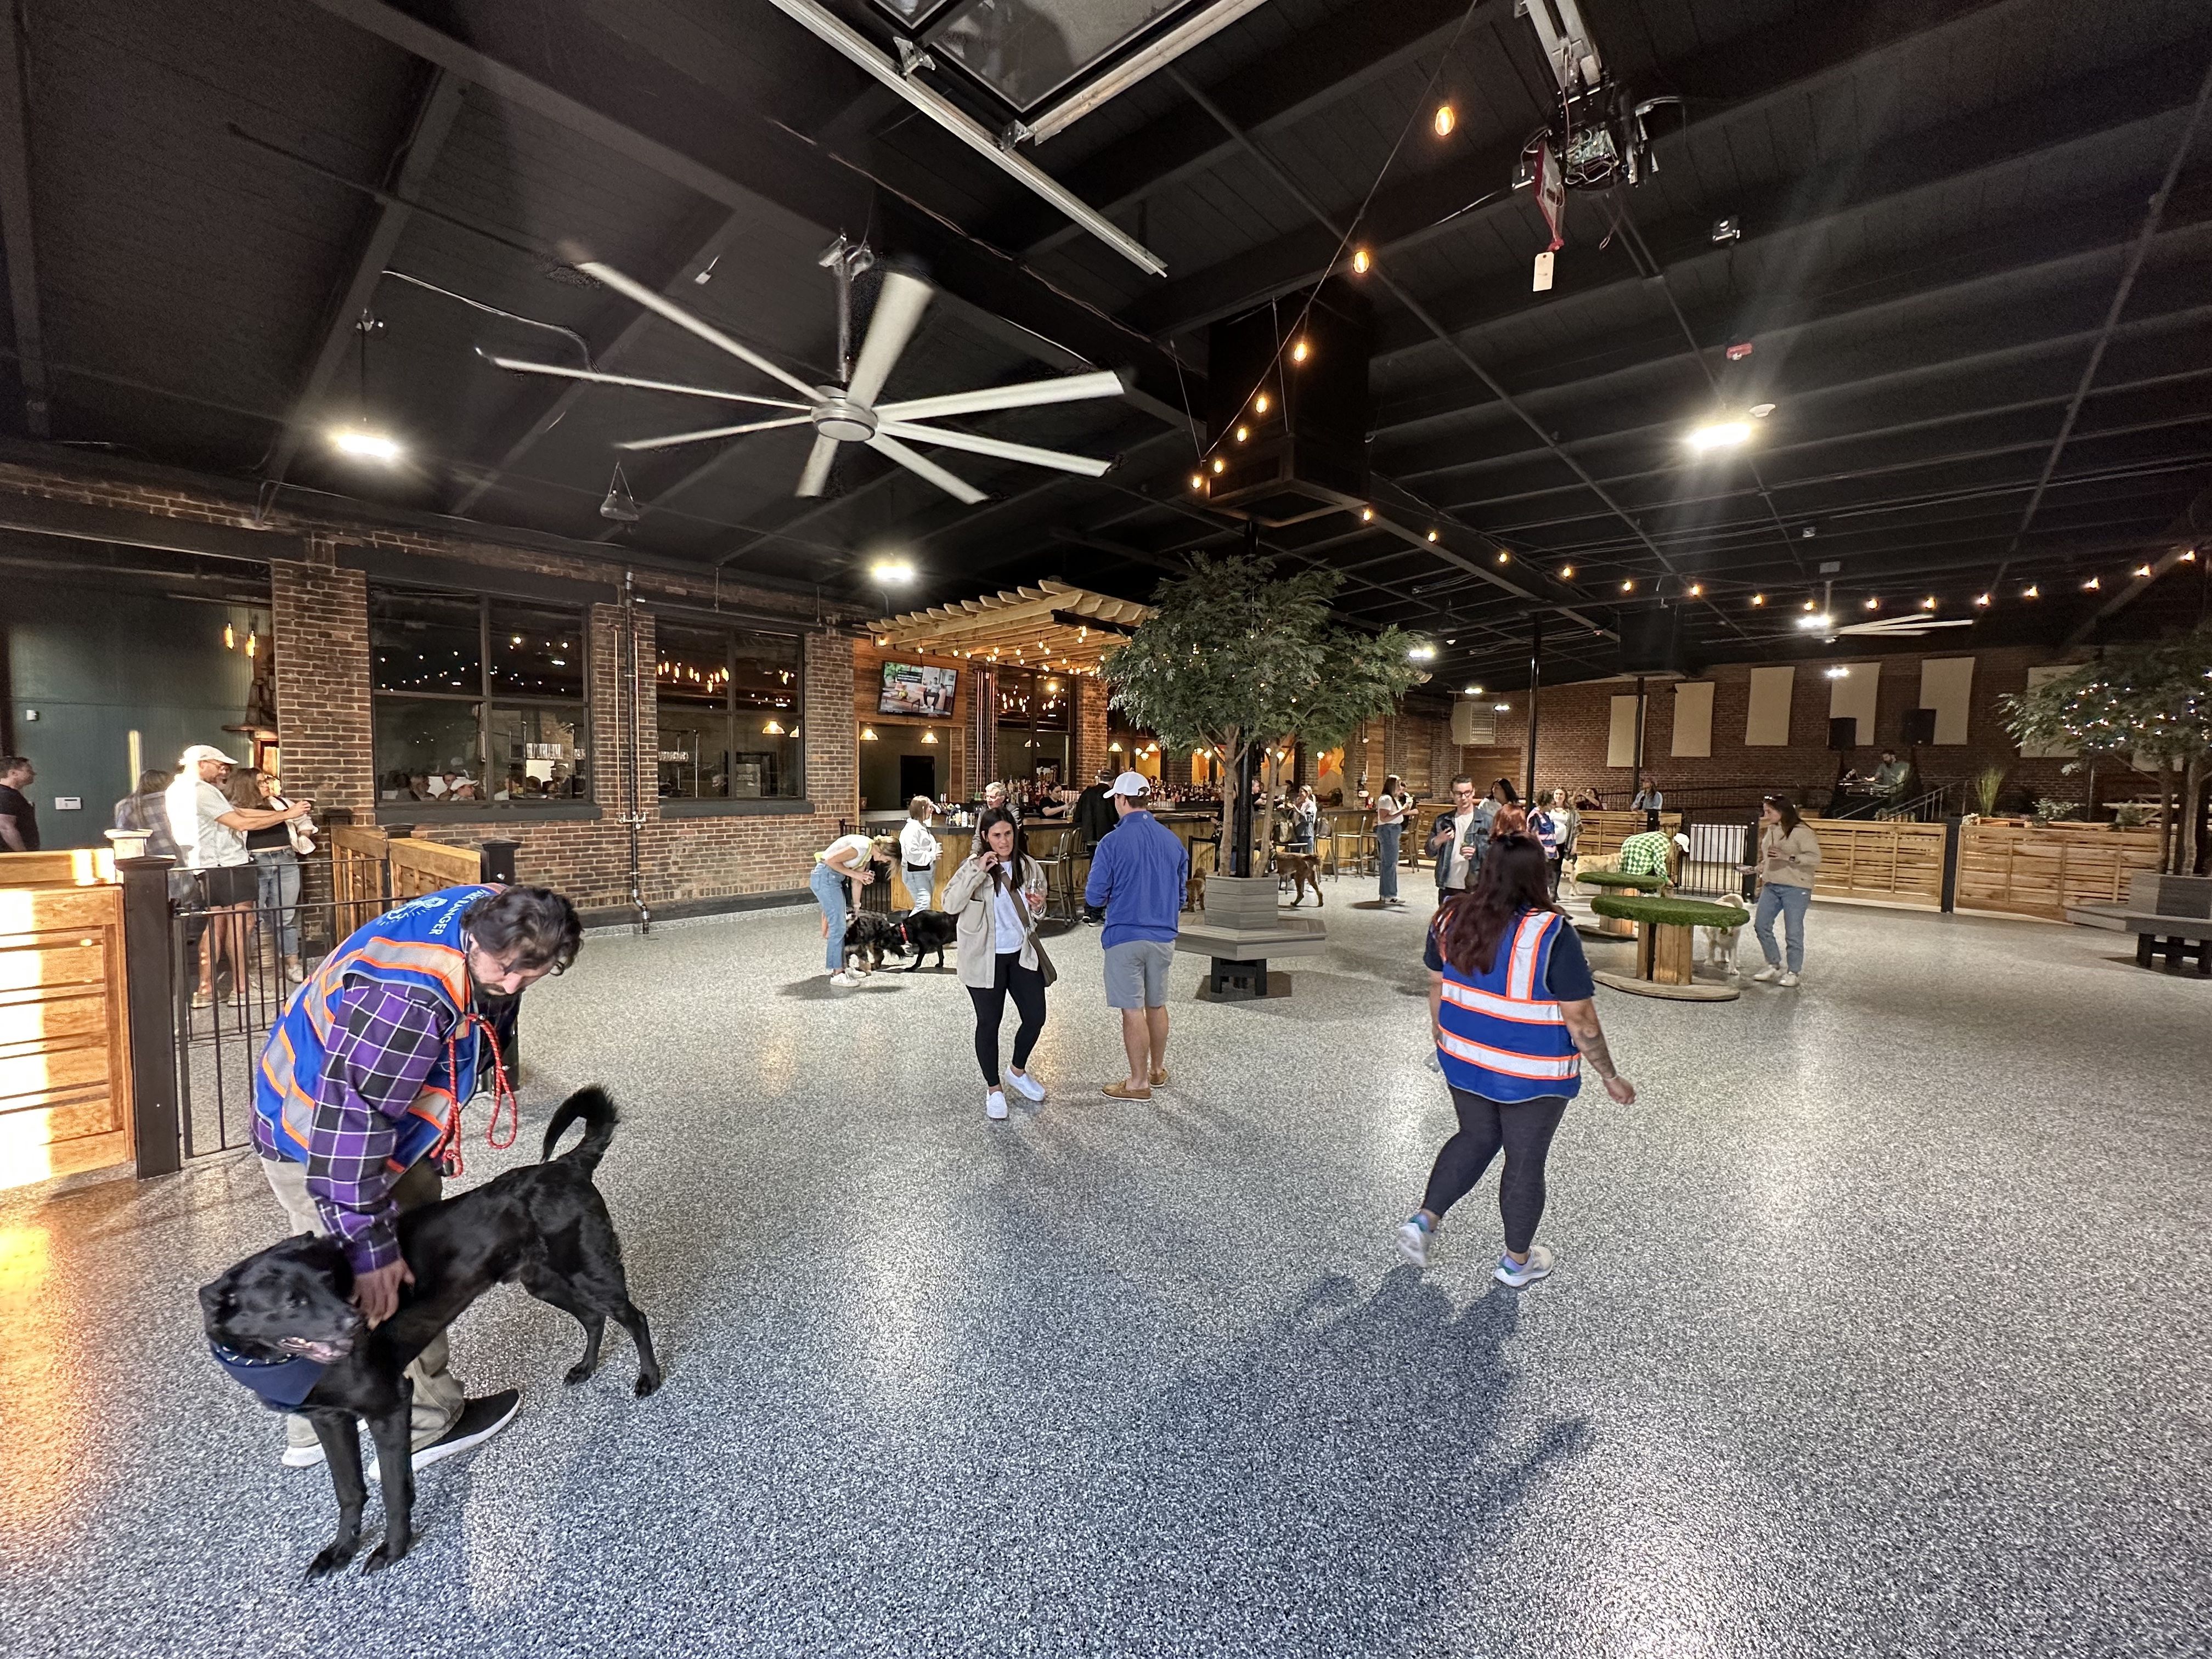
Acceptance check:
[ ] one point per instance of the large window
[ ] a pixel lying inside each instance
(730, 709)
(477, 701)
(1033, 717)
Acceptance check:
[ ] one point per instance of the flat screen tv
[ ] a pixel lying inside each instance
(911, 688)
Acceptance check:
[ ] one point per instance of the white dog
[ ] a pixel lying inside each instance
(1721, 942)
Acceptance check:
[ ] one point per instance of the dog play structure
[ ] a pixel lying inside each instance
(1665, 961)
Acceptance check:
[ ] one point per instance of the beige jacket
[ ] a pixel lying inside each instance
(1789, 860)
(967, 895)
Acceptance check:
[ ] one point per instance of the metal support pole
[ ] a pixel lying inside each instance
(1535, 674)
(152, 1011)
(1238, 817)
(497, 858)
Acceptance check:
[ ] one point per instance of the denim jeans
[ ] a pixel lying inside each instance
(1387, 836)
(1791, 904)
(833, 896)
(278, 869)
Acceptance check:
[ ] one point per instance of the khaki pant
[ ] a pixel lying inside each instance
(438, 1397)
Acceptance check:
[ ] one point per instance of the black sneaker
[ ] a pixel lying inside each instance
(479, 1420)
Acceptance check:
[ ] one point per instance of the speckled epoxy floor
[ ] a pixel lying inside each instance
(1880, 1328)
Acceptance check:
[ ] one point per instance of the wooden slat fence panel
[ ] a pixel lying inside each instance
(64, 1038)
(2020, 869)
(1896, 862)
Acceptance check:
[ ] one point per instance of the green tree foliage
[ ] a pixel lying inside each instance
(1236, 658)
(2153, 699)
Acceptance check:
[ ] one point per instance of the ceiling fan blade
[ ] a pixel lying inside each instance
(1004, 450)
(661, 304)
(899, 305)
(596, 378)
(677, 438)
(1066, 389)
(816, 478)
(952, 485)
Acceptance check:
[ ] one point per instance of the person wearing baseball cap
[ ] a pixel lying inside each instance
(1137, 877)
(210, 836)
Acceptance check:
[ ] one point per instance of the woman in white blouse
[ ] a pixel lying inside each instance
(918, 852)
(849, 858)
(1390, 809)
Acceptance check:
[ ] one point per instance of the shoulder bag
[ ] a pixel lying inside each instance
(1046, 971)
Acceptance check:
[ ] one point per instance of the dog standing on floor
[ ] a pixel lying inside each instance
(1204, 856)
(1721, 942)
(869, 938)
(282, 1322)
(1304, 870)
(924, 930)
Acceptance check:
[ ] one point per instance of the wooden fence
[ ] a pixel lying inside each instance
(64, 1028)
(370, 869)
(1893, 861)
(1602, 833)
(2024, 871)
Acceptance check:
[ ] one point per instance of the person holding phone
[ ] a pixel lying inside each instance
(1391, 807)
(1789, 856)
(997, 894)
(1510, 1005)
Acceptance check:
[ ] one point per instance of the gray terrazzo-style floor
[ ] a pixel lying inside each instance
(1880, 1328)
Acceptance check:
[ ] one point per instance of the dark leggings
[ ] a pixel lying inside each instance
(1027, 986)
(1524, 1129)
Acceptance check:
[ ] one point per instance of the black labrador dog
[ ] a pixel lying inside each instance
(924, 930)
(544, 1226)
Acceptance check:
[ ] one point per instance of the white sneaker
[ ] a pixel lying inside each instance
(1414, 1240)
(1518, 1273)
(844, 980)
(1790, 981)
(303, 1457)
(1767, 973)
(1026, 1086)
(995, 1104)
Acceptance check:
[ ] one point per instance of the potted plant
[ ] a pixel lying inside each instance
(1988, 786)
(1239, 660)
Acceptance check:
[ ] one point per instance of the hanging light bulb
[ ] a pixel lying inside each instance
(1928, 603)
(1432, 535)
(1566, 573)
(1300, 352)
(1812, 604)
(1243, 432)
(1198, 481)
(1758, 598)
(1503, 555)
(252, 643)
(1219, 465)
(1628, 586)
(1366, 515)
(229, 638)
(1696, 590)
(1361, 262)
(1260, 405)
(2092, 585)
(1445, 119)
(2143, 569)
(1874, 605)
(1982, 600)
(2031, 592)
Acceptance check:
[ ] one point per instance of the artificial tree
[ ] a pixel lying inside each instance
(2152, 700)
(1237, 660)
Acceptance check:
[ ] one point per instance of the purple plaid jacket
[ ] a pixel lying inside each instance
(383, 1045)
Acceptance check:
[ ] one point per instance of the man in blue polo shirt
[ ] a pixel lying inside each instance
(1138, 877)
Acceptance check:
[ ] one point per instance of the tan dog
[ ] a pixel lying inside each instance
(1304, 869)
(1204, 856)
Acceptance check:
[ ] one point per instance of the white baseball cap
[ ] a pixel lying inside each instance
(204, 752)
(1132, 783)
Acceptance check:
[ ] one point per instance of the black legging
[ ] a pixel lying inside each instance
(1027, 985)
(1524, 1129)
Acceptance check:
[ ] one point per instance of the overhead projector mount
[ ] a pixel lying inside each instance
(1598, 135)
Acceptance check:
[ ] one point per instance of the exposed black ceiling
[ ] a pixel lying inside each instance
(1942, 202)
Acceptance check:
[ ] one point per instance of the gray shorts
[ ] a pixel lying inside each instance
(1137, 973)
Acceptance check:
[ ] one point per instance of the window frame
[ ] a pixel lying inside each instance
(710, 806)
(416, 811)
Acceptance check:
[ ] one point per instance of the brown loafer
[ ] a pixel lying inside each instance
(1160, 1077)
(1119, 1091)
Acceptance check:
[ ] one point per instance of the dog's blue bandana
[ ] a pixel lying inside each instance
(282, 1383)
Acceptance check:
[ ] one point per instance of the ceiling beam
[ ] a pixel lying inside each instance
(410, 169)
(2191, 534)
(1318, 67)
(641, 106)
(16, 228)
(1773, 63)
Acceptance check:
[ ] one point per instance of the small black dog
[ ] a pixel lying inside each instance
(924, 930)
(545, 1226)
(869, 937)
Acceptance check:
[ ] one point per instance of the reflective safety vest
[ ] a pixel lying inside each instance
(1502, 1036)
(419, 946)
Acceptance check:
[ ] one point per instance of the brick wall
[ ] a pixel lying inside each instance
(1090, 734)
(320, 635)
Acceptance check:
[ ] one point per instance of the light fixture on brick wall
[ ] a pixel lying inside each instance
(929, 736)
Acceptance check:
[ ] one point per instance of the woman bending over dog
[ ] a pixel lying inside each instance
(997, 893)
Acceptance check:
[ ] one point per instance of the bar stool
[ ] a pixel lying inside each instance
(1058, 862)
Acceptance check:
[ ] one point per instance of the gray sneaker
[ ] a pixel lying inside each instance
(1518, 1273)
(1413, 1236)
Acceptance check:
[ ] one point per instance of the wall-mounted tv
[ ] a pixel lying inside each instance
(911, 688)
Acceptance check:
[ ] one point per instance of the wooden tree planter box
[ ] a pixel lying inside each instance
(2027, 871)
(1898, 863)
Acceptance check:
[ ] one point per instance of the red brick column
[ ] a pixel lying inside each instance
(1090, 733)
(833, 760)
(320, 623)
(607, 690)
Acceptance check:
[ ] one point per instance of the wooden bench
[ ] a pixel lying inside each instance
(1241, 929)
(2170, 916)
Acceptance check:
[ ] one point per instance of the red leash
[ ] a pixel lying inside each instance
(447, 1152)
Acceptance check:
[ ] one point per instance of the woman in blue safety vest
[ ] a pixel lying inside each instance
(1509, 1003)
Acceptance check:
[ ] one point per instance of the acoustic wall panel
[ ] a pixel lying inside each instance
(2048, 750)
(1852, 697)
(1767, 725)
(1946, 685)
(1621, 736)
(1694, 719)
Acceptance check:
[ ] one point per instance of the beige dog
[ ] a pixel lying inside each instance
(1204, 856)
(1721, 942)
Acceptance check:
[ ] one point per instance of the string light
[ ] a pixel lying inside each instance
(1198, 481)
(2091, 585)
(1758, 598)
(2031, 592)
(1503, 555)
(1812, 604)
(1566, 573)
(1628, 586)
(1366, 515)
(1299, 352)
(2188, 556)
(1260, 405)
(1874, 605)
(1432, 535)
(2143, 570)
(1243, 432)
(1219, 465)
(1360, 261)
(229, 638)
(1696, 590)
(1445, 119)
(1928, 603)
(1982, 600)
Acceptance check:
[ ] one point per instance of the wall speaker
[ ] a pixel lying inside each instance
(1918, 728)
(1304, 451)
(1843, 733)
(1650, 641)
